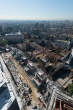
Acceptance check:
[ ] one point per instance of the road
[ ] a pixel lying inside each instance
(27, 79)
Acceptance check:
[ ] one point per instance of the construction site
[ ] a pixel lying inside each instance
(24, 88)
(31, 87)
(62, 105)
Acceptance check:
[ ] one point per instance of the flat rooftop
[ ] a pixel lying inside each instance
(6, 94)
(1, 79)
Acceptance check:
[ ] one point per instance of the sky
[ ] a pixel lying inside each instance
(36, 9)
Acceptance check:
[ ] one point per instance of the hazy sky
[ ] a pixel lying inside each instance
(36, 9)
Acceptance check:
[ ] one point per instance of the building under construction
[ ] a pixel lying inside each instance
(62, 105)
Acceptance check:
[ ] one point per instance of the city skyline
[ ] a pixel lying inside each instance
(36, 10)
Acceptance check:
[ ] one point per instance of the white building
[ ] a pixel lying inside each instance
(62, 43)
(40, 75)
(14, 37)
(6, 94)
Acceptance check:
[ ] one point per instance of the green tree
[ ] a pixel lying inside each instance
(70, 89)
(4, 42)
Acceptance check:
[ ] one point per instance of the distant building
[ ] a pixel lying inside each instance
(25, 35)
(62, 43)
(14, 37)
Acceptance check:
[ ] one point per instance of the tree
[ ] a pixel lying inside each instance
(4, 42)
(70, 89)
